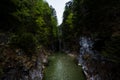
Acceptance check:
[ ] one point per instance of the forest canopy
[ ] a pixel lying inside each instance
(29, 23)
(97, 19)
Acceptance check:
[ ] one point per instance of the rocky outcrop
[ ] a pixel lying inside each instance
(94, 65)
(16, 65)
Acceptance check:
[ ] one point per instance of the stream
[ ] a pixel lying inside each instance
(63, 67)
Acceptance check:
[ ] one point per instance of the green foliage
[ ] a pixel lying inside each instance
(26, 41)
(1, 71)
(112, 48)
(97, 19)
(40, 21)
(96, 16)
(68, 29)
(31, 22)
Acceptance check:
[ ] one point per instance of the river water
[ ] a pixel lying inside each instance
(63, 67)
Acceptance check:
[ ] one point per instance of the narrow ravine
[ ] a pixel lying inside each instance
(63, 67)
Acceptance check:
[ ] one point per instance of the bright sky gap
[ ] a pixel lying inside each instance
(59, 7)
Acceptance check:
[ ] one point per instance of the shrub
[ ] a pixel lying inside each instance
(25, 41)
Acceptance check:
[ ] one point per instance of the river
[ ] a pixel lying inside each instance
(63, 67)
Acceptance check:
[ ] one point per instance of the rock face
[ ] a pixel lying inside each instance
(20, 67)
(86, 54)
(94, 65)
(22, 73)
(3, 39)
(36, 73)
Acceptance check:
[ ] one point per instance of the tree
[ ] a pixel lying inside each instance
(68, 29)
(31, 20)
